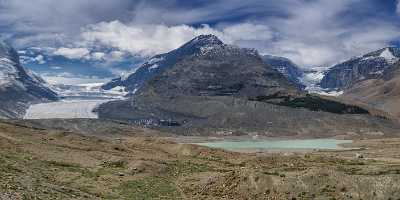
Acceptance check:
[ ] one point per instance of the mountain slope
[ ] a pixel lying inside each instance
(286, 67)
(382, 93)
(372, 79)
(369, 66)
(223, 89)
(18, 86)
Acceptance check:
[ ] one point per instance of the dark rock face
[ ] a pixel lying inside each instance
(286, 67)
(369, 66)
(18, 86)
(218, 70)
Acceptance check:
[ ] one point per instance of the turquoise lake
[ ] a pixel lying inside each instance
(328, 144)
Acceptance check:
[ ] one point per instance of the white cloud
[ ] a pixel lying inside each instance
(147, 40)
(116, 55)
(40, 59)
(311, 37)
(312, 33)
(72, 53)
(97, 55)
(317, 34)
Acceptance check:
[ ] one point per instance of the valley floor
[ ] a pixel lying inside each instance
(50, 164)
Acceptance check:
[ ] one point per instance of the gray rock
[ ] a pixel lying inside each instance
(286, 67)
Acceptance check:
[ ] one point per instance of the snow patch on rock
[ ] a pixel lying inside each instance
(154, 66)
(388, 56)
(8, 72)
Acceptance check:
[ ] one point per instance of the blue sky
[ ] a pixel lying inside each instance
(103, 34)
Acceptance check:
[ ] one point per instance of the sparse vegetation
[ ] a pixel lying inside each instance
(69, 166)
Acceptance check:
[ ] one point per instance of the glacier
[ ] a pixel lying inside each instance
(78, 101)
(64, 109)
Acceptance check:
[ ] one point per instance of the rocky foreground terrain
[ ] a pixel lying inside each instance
(43, 163)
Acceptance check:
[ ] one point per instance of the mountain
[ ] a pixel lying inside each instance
(371, 79)
(208, 87)
(215, 69)
(286, 67)
(159, 63)
(368, 66)
(381, 92)
(19, 87)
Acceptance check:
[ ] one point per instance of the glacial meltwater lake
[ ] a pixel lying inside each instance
(261, 145)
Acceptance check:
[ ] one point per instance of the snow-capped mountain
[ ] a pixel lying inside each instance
(368, 66)
(158, 63)
(286, 67)
(19, 87)
(207, 86)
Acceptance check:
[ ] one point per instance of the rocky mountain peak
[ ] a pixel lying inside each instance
(205, 40)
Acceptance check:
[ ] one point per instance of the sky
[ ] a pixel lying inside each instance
(313, 33)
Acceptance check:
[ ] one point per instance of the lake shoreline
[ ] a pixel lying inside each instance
(247, 144)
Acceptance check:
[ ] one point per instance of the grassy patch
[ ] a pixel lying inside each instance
(187, 167)
(149, 188)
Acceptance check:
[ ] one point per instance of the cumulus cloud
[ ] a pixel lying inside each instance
(317, 34)
(72, 53)
(147, 40)
(49, 22)
(97, 55)
(312, 33)
(40, 59)
(304, 39)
